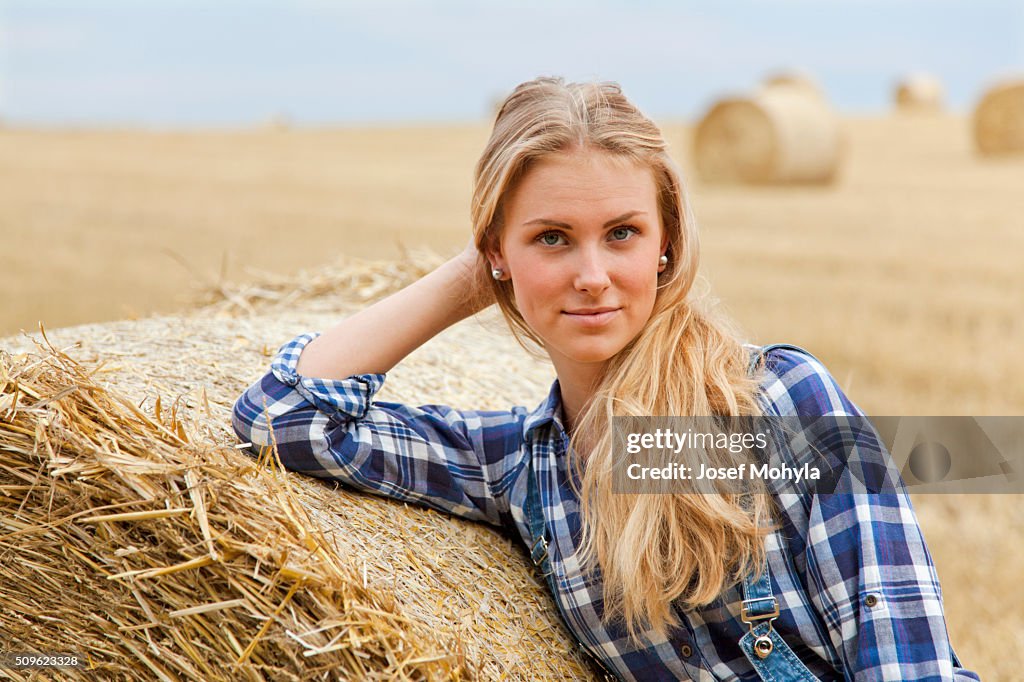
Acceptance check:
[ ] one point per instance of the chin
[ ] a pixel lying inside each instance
(592, 355)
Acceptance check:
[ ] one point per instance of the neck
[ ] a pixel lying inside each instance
(577, 386)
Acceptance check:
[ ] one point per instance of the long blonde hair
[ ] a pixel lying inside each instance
(653, 549)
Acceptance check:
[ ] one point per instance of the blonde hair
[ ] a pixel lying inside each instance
(653, 549)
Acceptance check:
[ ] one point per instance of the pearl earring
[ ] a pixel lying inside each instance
(496, 273)
(663, 261)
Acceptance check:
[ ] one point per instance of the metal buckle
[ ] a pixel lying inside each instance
(763, 645)
(747, 618)
(544, 543)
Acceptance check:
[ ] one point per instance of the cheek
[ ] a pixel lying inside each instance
(535, 281)
(641, 281)
(643, 289)
(538, 294)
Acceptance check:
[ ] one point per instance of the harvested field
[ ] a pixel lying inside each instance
(906, 263)
(903, 277)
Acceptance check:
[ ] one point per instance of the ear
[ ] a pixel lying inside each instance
(497, 260)
(663, 254)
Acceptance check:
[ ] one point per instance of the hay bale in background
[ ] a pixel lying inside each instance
(793, 80)
(784, 133)
(278, 123)
(300, 578)
(920, 92)
(999, 119)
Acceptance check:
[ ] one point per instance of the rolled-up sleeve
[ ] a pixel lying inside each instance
(869, 573)
(455, 461)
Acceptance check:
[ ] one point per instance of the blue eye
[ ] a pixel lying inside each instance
(549, 238)
(621, 234)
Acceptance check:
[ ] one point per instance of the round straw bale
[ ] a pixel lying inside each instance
(919, 92)
(793, 80)
(999, 119)
(138, 535)
(279, 123)
(780, 135)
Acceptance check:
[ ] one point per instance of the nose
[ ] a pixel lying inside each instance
(591, 272)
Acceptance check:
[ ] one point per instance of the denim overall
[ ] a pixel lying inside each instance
(768, 653)
(764, 648)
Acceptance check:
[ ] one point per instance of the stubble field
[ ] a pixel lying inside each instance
(904, 276)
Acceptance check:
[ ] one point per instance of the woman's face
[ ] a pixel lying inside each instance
(581, 243)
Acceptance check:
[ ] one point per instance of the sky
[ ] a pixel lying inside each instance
(224, 63)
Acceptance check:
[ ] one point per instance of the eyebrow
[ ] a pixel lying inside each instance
(557, 223)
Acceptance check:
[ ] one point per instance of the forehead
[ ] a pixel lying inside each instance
(584, 182)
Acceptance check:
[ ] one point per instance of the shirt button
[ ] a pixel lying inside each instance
(870, 601)
(686, 650)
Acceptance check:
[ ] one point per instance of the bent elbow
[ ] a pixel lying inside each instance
(249, 420)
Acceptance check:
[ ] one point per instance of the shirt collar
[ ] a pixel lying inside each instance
(550, 410)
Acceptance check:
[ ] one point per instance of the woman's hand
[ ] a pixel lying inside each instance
(478, 289)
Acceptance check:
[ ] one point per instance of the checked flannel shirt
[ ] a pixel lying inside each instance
(858, 593)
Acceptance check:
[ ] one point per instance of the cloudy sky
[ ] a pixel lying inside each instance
(228, 62)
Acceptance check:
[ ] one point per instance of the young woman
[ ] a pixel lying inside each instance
(583, 236)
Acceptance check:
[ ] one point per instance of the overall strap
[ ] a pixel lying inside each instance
(538, 547)
(764, 648)
(535, 522)
(767, 652)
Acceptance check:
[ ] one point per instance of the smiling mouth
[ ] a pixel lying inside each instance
(590, 311)
(595, 316)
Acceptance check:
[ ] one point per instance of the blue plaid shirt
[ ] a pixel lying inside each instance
(858, 593)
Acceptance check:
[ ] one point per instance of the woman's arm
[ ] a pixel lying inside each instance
(376, 339)
(868, 570)
(451, 460)
(456, 461)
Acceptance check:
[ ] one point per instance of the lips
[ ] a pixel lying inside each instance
(589, 311)
(591, 317)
